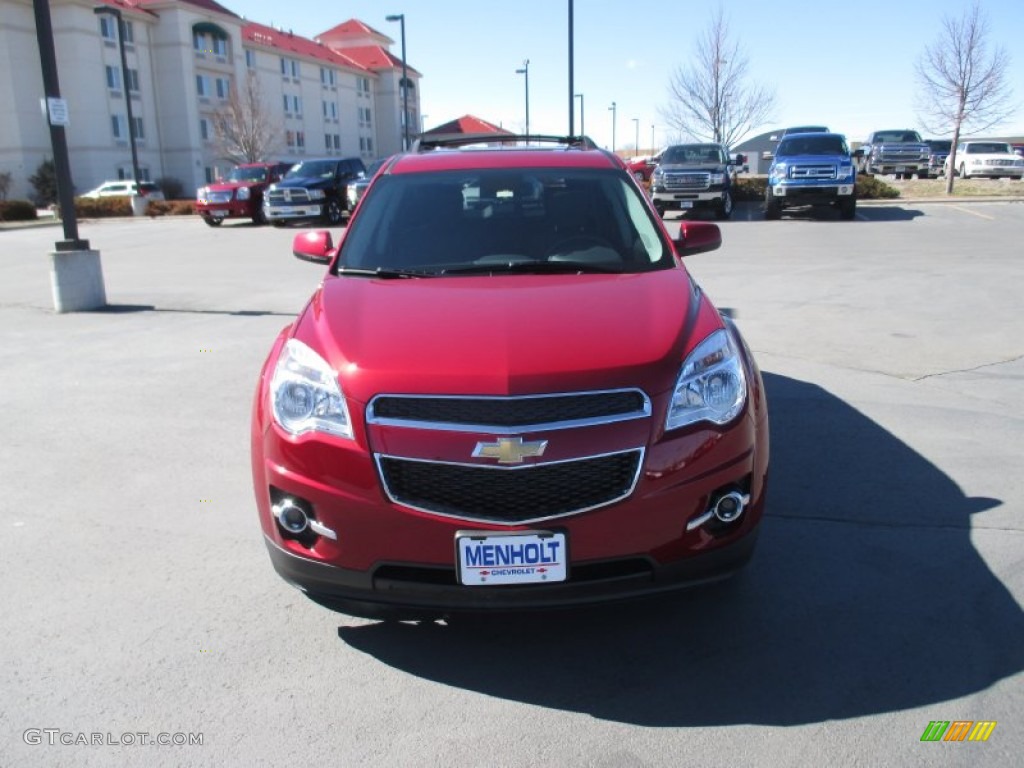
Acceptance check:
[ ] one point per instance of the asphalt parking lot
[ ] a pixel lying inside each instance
(886, 592)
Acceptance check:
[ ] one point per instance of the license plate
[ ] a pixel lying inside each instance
(218, 214)
(900, 168)
(686, 204)
(530, 557)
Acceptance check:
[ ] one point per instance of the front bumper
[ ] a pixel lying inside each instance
(289, 212)
(232, 210)
(396, 587)
(682, 199)
(811, 194)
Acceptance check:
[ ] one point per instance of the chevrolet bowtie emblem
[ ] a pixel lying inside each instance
(510, 450)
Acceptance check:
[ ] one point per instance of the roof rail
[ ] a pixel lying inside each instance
(464, 139)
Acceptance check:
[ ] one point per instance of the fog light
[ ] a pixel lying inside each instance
(290, 516)
(731, 506)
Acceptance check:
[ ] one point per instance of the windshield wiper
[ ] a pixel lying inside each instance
(384, 273)
(538, 267)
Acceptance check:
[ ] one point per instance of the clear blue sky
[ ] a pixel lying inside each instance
(846, 65)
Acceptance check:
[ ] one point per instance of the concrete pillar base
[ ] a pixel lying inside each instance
(76, 278)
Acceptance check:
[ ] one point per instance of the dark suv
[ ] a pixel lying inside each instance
(694, 176)
(507, 392)
(312, 189)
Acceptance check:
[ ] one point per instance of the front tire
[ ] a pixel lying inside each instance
(848, 208)
(259, 218)
(334, 212)
(724, 210)
(210, 221)
(772, 207)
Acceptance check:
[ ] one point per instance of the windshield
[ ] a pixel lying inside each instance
(824, 144)
(806, 129)
(312, 169)
(250, 173)
(694, 154)
(988, 148)
(503, 220)
(898, 137)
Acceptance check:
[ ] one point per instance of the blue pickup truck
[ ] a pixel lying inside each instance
(811, 169)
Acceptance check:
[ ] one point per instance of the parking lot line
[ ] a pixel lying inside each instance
(973, 213)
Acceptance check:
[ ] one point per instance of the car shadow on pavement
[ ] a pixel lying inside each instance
(119, 309)
(865, 596)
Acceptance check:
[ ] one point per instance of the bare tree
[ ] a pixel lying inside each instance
(245, 129)
(963, 84)
(711, 100)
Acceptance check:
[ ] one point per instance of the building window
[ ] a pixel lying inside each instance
(113, 78)
(284, 66)
(369, 145)
(337, 141)
(363, 85)
(133, 80)
(287, 103)
(365, 116)
(250, 59)
(300, 139)
(362, 143)
(220, 46)
(223, 88)
(204, 129)
(203, 86)
(330, 110)
(327, 76)
(327, 141)
(108, 28)
(201, 43)
(297, 106)
(211, 174)
(119, 126)
(290, 66)
(289, 138)
(129, 33)
(137, 128)
(296, 71)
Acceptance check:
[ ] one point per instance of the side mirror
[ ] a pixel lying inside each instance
(773, 137)
(315, 246)
(698, 237)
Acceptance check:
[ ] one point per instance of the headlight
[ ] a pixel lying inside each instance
(844, 171)
(712, 385)
(976, 161)
(201, 194)
(657, 174)
(316, 194)
(779, 170)
(243, 193)
(305, 395)
(717, 178)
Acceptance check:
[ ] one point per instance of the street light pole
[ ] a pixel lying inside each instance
(583, 131)
(525, 71)
(116, 13)
(636, 141)
(612, 108)
(652, 138)
(572, 102)
(400, 17)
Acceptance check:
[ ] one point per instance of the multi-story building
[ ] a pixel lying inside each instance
(337, 94)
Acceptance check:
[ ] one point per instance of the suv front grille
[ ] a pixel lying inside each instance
(511, 496)
(812, 172)
(288, 196)
(509, 412)
(677, 180)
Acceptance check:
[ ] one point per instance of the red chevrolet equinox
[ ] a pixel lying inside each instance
(507, 393)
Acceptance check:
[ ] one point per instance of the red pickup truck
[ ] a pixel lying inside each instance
(239, 195)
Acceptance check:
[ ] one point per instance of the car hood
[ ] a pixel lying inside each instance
(504, 335)
(220, 186)
(711, 167)
(312, 182)
(813, 160)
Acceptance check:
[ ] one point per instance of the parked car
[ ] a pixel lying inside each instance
(1018, 149)
(126, 188)
(938, 151)
(900, 152)
(993, 159)
(239, 195)
(692, 176)
(312, 189)
(507, 392)
(357, 187)
(811, 169)
(642, 167)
